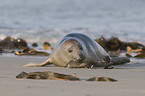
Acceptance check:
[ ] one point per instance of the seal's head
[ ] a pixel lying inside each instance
(74, 50)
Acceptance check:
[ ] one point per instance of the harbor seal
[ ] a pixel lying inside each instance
(76, 50)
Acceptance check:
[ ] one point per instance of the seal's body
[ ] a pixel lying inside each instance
(76, 50)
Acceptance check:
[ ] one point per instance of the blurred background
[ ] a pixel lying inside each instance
(48, 20)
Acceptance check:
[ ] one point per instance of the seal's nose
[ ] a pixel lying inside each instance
(82, 56)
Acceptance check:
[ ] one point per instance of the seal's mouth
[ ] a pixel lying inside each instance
(80, 60)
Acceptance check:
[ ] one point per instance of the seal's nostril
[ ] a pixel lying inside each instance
(81, 56)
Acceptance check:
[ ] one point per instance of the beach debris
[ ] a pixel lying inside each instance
(20, 43)
(35, 45)
(1, 50)
(103, 79)
(114, 44)
(129, 50)
(140, 53)
(11, 43)
(47, 75)
(46, 46)
(114, 53)
(18, 53)
(29, 51)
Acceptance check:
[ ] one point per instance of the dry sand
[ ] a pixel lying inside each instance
(131, 80)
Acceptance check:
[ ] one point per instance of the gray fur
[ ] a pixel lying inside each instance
(75, 50)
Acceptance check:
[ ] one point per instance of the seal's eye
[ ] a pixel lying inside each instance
(81, 48)
(70, 51)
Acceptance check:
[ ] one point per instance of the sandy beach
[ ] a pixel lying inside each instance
(130, 80)
(37, 21)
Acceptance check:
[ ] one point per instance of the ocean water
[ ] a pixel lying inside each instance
(48, 20)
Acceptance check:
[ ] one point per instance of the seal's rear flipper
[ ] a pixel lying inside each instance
(119, 60)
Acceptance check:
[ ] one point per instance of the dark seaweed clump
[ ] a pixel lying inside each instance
(10, 45)
(57, 76)
(114, 44)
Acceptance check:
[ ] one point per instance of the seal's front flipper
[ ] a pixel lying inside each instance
(33, 65)
(47, 62)
(73, 64)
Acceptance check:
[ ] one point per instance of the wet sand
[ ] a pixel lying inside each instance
(130, 80)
